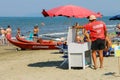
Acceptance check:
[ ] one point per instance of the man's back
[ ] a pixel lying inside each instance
(97, 29)
(9, 30)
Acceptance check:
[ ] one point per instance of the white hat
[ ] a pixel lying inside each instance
(92, 17)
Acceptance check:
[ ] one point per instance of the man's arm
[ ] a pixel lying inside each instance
(78, 27)
(105, 32)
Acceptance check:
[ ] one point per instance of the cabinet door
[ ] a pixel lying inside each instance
(76, 60)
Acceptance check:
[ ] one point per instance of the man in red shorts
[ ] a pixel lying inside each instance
(97, 32)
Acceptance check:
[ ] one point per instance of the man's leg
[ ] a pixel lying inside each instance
(101, 58)
(94, 58)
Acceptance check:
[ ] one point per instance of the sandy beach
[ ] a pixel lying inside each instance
(44, 65)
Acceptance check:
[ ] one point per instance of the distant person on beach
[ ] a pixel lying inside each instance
(18, 32)
(35, 33)
(98, 32)
(8, 33)
(117, 30)
(0, 32)
(81, 38)
(3, 38)
(78, 38)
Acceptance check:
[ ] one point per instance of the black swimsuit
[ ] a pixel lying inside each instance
(36, 35)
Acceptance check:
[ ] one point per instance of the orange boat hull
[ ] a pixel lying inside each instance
(34, 45)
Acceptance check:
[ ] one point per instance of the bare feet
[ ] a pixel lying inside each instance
(101, 67)
(95, 67)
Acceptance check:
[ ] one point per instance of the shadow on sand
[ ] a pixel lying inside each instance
(48, 64)
(109, 73)
(56, 53)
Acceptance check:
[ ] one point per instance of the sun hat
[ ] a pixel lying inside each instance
(92, 17)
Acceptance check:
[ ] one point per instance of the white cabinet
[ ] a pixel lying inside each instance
(79, 54)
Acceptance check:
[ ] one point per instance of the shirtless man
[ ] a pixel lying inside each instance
(18, 32)
(35, 31)
(8, 32)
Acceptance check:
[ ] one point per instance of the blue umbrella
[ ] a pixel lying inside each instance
(116, 17)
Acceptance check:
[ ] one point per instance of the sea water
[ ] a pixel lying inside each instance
(55, 27)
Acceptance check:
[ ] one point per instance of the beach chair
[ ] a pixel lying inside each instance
(65, 54)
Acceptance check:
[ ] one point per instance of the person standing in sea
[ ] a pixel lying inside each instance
(35, 33)
(98, 33)
(18, 32)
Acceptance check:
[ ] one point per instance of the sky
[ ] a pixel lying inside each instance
(33, 8)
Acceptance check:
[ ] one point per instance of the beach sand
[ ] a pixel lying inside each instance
(44, 65)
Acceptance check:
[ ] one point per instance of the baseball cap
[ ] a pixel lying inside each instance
(92, 17)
